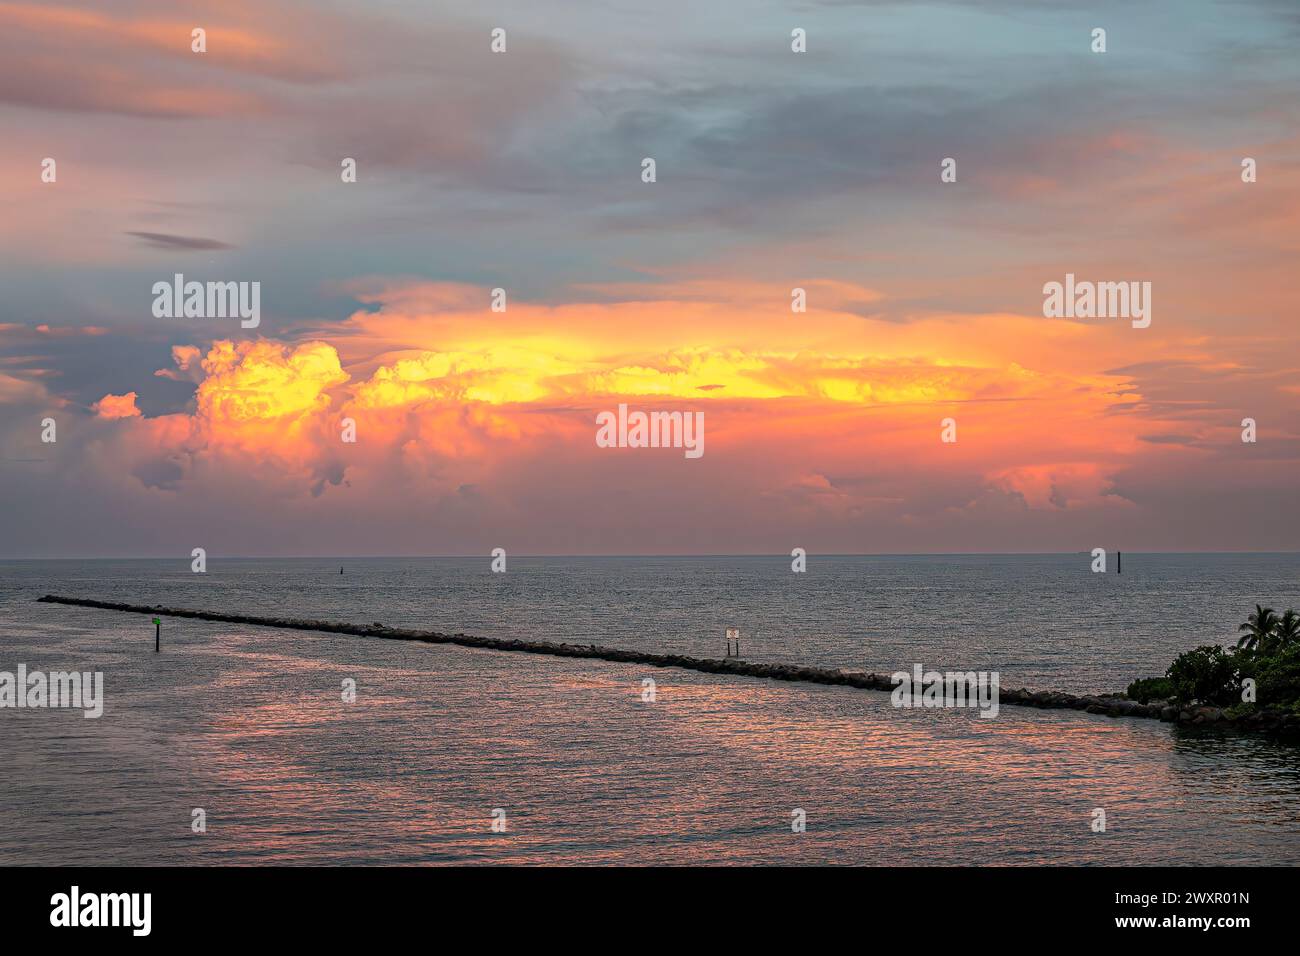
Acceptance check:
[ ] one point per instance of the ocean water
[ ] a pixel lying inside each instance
(249, 723)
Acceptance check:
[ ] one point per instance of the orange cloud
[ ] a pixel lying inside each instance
(266, 401)
(467, 419)
(117, 406)
(266, 381)
(831, 417)
(257, 47)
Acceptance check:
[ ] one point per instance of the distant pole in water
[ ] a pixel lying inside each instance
(340, 569)
(157, 635)
(1119, 562)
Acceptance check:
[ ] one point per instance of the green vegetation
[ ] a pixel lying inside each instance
(1148, 689)
(1208, 674)
(1267, 653)
(1278, 676)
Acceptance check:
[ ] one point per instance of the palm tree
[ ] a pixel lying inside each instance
(1259, 627)
(1287, 630)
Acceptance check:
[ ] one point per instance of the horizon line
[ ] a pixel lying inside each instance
(185, 556)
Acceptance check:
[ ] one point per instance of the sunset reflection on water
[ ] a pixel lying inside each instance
(250, 725)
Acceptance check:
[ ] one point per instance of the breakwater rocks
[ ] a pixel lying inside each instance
(1110, 705)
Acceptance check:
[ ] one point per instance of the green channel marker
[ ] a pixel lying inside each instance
(157, 634)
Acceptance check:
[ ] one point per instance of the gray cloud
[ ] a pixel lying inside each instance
(163, 240)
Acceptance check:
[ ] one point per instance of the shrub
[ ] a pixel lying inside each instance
(1206, 674)
(1147, 689)
(1239, 710)
(1278, 678)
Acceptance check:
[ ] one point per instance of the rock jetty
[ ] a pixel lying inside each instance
(1110, 705)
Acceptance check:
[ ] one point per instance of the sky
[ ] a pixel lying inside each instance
(522, 170)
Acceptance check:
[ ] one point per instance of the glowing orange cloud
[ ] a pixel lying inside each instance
(117, 406)
(829, 420)
(433, 378)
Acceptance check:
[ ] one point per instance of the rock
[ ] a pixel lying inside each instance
(1208, 715)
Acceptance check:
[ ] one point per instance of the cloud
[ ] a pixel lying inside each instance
(162, 240)
(74, 57)
(828, 442)
(265, 398)
(117, 406)
(187, 359)
(775, 171)
(444, 398)
(21, 391)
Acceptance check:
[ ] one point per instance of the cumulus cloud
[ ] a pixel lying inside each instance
(117, 406)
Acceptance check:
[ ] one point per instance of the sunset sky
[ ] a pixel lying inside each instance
(522, 170)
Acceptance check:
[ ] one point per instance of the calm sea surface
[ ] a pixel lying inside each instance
(248, 723)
